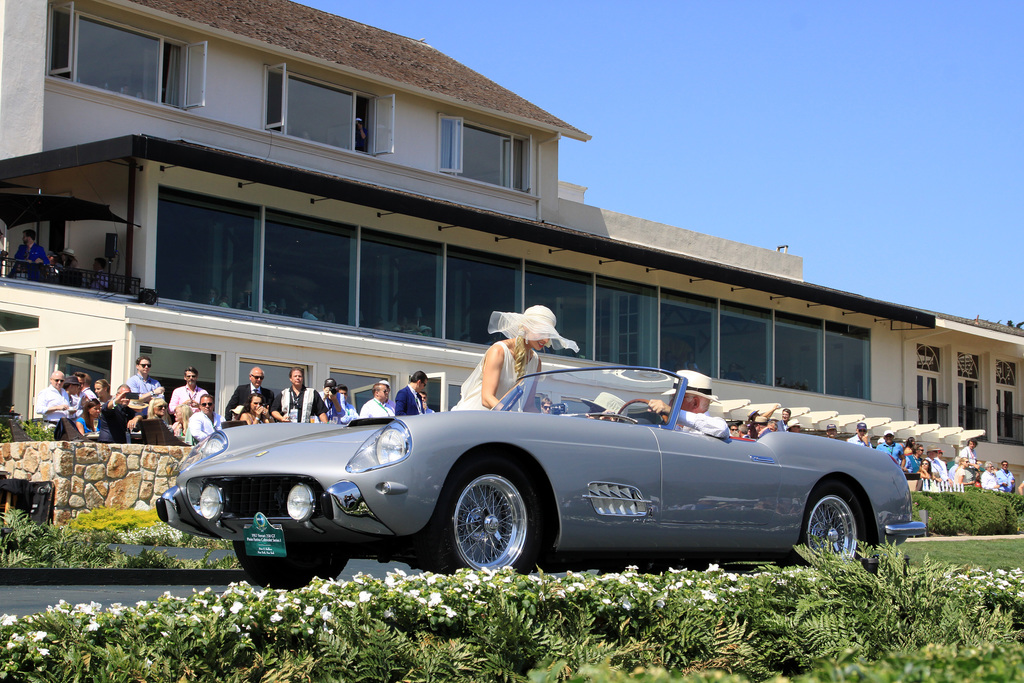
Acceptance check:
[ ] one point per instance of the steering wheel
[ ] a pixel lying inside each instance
(664, 418)
(622, 410)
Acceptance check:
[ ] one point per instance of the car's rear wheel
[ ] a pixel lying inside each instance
(305, 561)
(833, 521)
(488, 517)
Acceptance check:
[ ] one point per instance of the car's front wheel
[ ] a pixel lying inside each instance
(833, 521)
(305, 561)
(488, 517)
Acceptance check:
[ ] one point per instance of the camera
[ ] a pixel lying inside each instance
(559, 408)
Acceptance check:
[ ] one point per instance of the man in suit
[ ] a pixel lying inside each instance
(408, 401)
(253, 386)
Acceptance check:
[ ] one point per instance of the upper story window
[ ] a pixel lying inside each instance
(104, 55)
(306, 108)
(489, 156)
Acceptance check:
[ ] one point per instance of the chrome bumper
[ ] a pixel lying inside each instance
(906, 530)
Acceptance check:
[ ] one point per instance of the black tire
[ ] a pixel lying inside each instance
(305, 562)
(833, 521)
(488, 516)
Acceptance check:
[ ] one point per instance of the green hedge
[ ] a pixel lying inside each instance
(932, 663)
(975, 512)
(479, 626)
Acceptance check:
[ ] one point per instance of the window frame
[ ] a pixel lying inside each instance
(190, 51)
(451, 152)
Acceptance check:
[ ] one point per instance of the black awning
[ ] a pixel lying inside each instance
(249, 169)
(18, 209)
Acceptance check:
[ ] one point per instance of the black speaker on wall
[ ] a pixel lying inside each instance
(110, 249)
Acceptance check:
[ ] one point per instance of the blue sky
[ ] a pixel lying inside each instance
(881, 141)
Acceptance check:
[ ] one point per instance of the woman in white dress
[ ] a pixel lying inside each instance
(506, 362)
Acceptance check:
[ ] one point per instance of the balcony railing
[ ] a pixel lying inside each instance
(932, 412)
(1010, 428)
(70, 277)
(973, 418)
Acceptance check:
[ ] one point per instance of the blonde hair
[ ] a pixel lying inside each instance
(519, 355)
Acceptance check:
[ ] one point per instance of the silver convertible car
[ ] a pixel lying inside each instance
(570, 471)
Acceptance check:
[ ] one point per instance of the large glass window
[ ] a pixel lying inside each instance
(9, 322)
(798, 352)
(626, 332)
(746, 343)
(308, 269)
(169, 367)
(477, 285)
(400, 284)
(206, 250)
(95, 362)
(15, 383)
(570, 296)
(125, 61)
(324, 113)
(688, 332)
(486, 155)
(847, 360)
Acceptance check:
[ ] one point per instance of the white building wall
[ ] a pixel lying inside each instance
(22, 63)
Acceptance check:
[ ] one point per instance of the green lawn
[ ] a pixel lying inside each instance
(988, 554)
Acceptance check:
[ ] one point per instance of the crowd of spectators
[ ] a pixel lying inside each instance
(191, 415)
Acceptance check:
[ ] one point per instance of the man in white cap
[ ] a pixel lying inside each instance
(696, 401)
(892, 449)
(938, 467)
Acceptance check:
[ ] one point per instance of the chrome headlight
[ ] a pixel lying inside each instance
(385, 447)
(215, 444)
(300, 502)
(211, 503)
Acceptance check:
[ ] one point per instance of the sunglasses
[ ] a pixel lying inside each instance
(205, 405)
(256, 376)
(145, 365)
(57, 380)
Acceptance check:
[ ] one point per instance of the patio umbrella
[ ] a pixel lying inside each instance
(16, 209)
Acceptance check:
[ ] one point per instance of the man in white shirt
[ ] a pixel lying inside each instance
(696, 401)
(938, 467)
(378, 405)
(205, 422)
(53, 402)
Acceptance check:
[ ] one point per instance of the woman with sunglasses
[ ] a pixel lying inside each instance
(255, 412)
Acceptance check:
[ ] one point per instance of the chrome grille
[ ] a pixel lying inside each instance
(245, 496)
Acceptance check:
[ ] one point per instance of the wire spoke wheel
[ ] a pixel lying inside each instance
(490, 523)
(832, 527)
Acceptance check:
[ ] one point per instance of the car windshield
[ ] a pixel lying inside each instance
(593, 392)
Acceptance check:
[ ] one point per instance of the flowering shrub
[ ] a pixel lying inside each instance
(480, 626)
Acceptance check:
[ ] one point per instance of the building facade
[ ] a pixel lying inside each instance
(300, 189)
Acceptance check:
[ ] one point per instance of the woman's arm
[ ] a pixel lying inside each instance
(81, 427)
(493, 360)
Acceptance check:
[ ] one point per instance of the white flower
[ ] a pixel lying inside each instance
(364, 596)
(8, 620)
(236, 607)
(43, 651)
(92, 626)
(217, 609)
(435, 600)
(276, 617)
(38, 635)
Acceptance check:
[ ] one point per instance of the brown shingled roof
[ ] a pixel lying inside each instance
(292, 26)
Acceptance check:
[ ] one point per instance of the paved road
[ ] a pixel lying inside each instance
(22, 600)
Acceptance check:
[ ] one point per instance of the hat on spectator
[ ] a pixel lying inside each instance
(934, 449)
(68, 252)
(888, 432)
(72, 380)
(137, 405)
(384, 382)
(861, 425)
(830, 426)
(330, 382)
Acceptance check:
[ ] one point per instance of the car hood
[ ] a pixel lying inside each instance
(285, 448)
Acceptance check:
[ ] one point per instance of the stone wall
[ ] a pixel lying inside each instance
(90, 475)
